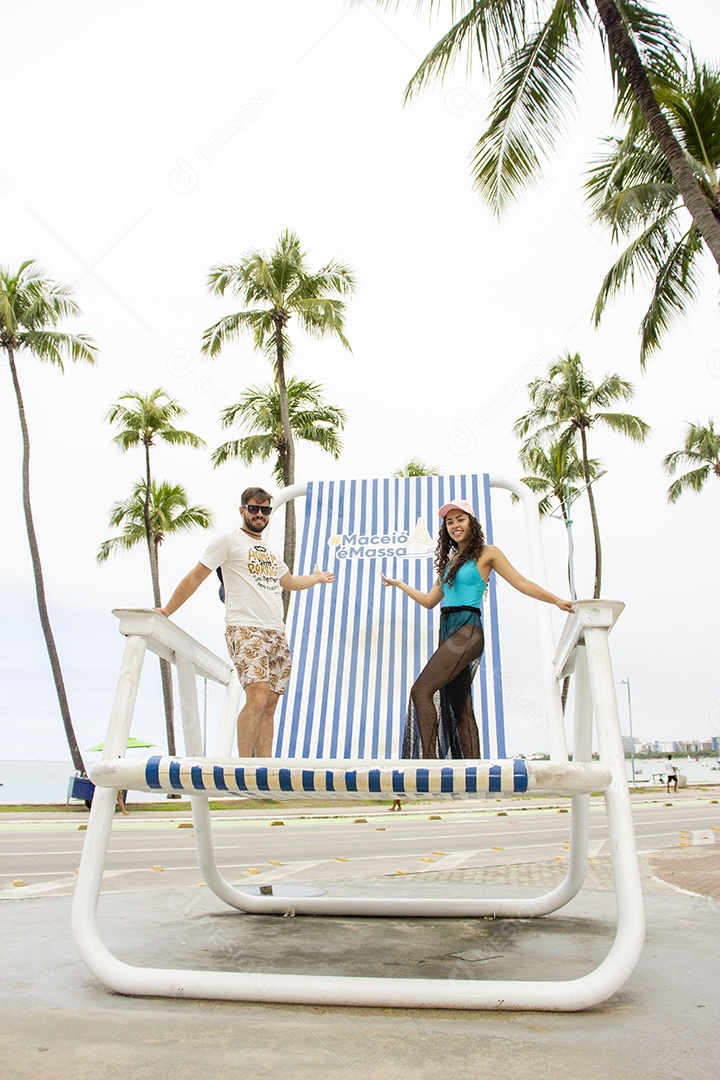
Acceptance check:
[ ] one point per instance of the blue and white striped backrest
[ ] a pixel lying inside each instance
(357, 647)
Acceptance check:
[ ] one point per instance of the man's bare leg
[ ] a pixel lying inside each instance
(255, 721)
(264, 741)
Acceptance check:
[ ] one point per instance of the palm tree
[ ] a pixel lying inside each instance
(538, 50)
(259, 410)
(416, 467)
(564, 407)
(169, 515)
(632, 189)
(275, 288)
(31, 307)
(701, 453)
(555, 471)
(145, 420)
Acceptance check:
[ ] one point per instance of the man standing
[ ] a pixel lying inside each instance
(671, 774)
(254, 576)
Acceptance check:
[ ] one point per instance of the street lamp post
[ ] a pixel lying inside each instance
(626, 682)
(571, 546)
(204, 735)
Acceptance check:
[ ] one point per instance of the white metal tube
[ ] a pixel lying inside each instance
(553, 995)
(580, 804)
(556, 731)
(97, 838)
(621, 831)
(189, 712)
(226, 736)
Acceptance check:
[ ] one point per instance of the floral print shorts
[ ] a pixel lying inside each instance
(259, 655)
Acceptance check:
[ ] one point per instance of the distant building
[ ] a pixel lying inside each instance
(630, 744)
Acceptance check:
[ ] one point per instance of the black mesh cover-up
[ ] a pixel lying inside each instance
(440, 718)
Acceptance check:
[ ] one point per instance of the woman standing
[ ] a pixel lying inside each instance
(440, 721)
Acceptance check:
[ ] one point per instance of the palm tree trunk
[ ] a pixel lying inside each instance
(165, 668)
(287, 453)
(39, 582)
(705, 217)
(593, 515)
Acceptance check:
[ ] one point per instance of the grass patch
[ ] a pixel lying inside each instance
(179, 804)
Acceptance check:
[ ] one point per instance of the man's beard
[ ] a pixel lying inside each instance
(258, 529)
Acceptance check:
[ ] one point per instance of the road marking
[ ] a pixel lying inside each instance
(21, 892)
(702, 836)
(450, 862)
(268, 876)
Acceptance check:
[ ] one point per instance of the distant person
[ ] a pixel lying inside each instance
(253, 577)
(397, 805)
(671, 773)
(441, 722)
(120, 805)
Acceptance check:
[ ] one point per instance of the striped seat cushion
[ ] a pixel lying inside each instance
(273, 778)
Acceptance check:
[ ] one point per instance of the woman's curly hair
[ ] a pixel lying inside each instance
(447, 548)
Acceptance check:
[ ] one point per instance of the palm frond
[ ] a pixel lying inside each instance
(689, 481)
(321, 315)
(178, 437)
(697, 112)
(230, 327)
(625, 424)
(676, 286)
(334, 277)
(248, 449)
(680, 458)
(632, 190)
(629, 186)
(612, 388)
(649, 250)
(53, 345)
(700, 455)
(531, 98)
(492, 28)
(116, 544)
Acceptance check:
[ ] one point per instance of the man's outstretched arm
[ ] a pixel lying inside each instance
(185, 589)
(295, 582)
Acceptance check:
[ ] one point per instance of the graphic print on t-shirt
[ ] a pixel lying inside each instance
(264, 566)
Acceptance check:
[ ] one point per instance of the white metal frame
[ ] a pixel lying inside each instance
(583, 648)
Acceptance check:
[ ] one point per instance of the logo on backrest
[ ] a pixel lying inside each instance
(397, 545)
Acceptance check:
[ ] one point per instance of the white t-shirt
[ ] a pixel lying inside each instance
(251, 574)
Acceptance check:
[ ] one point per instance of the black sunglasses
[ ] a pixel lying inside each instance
(253, 508)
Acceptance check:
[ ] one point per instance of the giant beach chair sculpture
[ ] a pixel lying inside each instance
(357, 648)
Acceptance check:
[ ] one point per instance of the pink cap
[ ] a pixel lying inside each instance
(458, 504)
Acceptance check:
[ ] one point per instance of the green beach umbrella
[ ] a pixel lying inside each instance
(132, 744)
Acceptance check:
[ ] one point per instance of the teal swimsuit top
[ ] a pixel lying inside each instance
(467, 589)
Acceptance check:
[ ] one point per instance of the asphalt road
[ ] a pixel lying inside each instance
(151, 851)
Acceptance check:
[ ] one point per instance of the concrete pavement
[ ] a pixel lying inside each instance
(57, 1022)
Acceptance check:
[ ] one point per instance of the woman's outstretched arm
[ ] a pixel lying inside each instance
(494, 558)
(426, 599)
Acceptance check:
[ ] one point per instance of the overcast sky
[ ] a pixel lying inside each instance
(145, 142)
